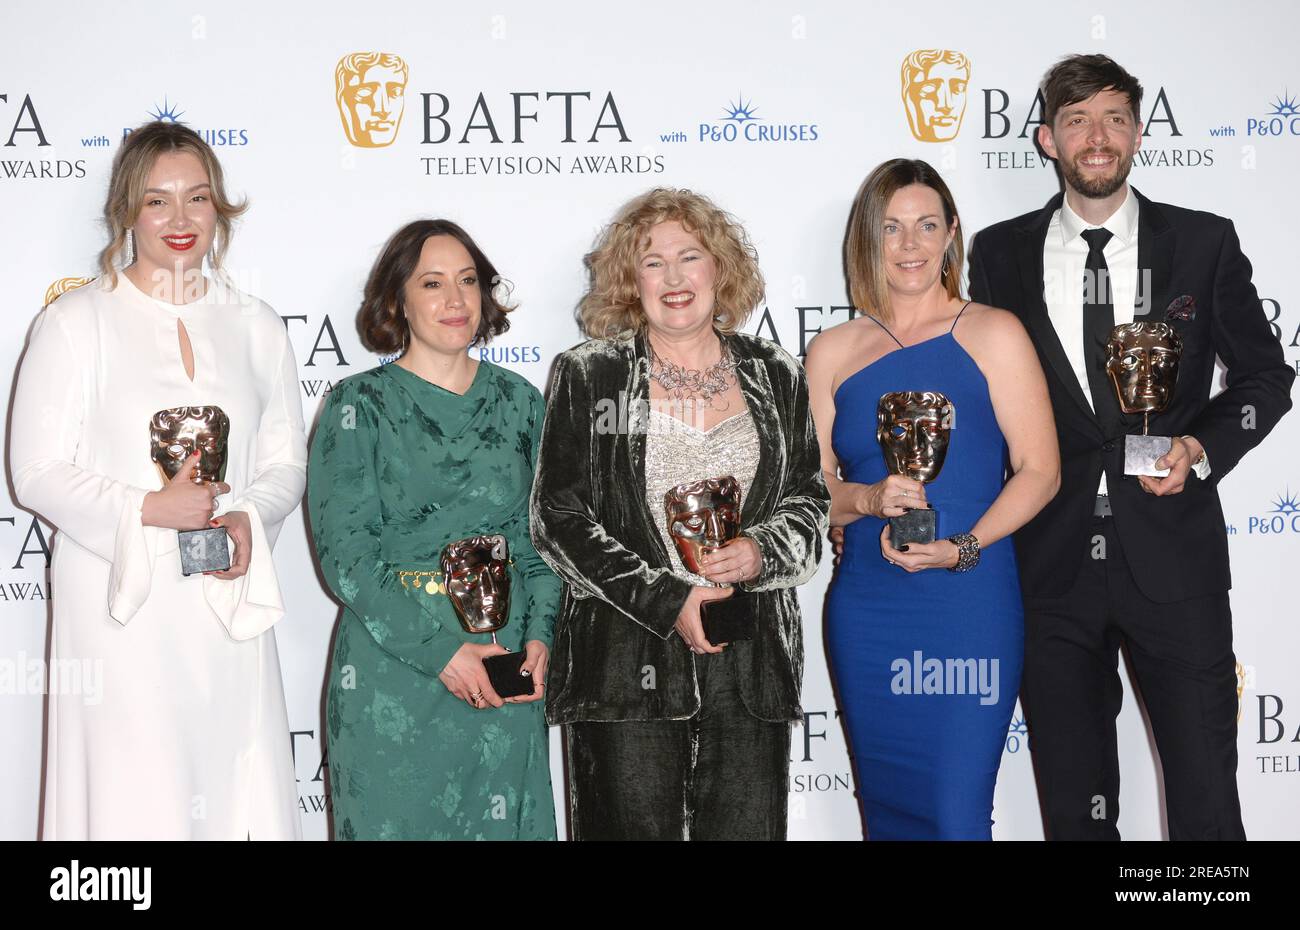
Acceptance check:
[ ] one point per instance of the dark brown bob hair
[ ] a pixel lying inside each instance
(381, 320)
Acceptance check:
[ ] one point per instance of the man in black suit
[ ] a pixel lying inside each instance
(1121, 560)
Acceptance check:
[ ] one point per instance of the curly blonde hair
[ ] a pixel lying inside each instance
(612, 304)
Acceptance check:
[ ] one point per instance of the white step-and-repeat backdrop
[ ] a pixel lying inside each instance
(529, 124)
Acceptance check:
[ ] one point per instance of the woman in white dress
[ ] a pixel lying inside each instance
(188, 737)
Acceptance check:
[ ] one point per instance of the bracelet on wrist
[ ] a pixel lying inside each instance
(968, 552)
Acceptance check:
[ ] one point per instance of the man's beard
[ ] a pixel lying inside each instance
(1097, 187)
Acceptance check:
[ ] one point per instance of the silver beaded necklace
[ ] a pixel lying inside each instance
(692, 384)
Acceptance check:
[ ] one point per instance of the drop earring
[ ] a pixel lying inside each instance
(130, 248)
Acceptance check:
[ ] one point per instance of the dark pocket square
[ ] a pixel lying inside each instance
(1181, 308)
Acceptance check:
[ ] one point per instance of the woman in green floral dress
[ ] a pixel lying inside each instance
(407, 457)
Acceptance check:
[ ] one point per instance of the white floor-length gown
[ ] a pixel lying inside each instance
(188, 737)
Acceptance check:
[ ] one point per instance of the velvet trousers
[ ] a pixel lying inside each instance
(720, 775)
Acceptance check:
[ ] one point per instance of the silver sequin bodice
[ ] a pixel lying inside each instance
(676, 453)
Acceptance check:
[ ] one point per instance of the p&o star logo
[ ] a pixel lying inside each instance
(934, 93)
(166, 112)
(741, 111)
(1285, 106)
(741, 123)
(1283, 119)
(169, 112)
(1283, 518)
(370, 91)
(1286, 503)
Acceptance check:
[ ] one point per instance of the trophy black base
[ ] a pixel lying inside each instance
(914, 526)
(503, 672)
(204, 550)
(1141, 453)
(730, 620)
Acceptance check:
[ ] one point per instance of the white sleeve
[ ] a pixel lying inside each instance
(98, 513)
(251, 604)
(280, 469)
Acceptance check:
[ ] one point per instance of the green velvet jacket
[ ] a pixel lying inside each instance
(615, 655)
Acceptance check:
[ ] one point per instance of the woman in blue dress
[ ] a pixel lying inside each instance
(926, 641)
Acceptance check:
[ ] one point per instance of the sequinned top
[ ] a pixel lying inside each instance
(677, 453)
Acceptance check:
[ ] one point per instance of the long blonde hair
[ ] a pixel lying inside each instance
(612, 304)
(130, 179)
(863, 255)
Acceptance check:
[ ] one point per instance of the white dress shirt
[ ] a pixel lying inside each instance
(1065, 259)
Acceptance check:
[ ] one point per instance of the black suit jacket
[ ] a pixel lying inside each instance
(1176, 545)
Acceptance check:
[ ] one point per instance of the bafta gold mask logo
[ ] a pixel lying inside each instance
(61, 287)
(370, 89)
(934, 93)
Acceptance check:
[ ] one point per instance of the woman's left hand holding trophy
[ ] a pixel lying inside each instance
(734, 561)
(240, 530)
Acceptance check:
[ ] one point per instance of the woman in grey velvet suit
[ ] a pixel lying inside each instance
(670, 736)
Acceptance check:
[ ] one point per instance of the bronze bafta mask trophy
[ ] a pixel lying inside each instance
(702, 516)
(174, 435)
(913, 429)
(1142, 364)
(476, 575)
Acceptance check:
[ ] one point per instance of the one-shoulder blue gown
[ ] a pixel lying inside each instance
(926, 724)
